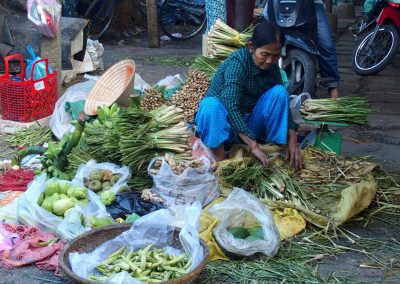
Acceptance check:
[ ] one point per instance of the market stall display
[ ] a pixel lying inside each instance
(141, 165)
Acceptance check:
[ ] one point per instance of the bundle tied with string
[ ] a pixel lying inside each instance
(223, 40)
(155, 133)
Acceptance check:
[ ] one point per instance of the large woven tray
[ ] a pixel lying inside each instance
(110, 86)
(92, 239)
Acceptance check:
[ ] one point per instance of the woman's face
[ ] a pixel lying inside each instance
(266, 55)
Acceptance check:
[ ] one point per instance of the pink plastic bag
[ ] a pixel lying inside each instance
(45, 15)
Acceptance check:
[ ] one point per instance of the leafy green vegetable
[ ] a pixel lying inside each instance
(239, 232)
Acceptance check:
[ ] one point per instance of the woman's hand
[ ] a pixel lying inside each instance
(259, 154)
(255, 149)
(293, 155)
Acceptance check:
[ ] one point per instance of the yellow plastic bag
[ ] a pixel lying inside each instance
(207, 224)
(289, 222)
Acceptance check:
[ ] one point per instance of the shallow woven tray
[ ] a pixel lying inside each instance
(92, 239)
(110, 86)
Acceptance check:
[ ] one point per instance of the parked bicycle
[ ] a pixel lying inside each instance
(178, 19)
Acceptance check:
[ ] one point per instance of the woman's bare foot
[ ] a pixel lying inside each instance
(219, 153)
(333, 93)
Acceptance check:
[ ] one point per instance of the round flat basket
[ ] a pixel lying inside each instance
(92, 239)
(110, 86)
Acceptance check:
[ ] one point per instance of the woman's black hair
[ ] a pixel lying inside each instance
(267, 32)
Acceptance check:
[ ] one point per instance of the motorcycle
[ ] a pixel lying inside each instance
(377, 39)
(299, 22)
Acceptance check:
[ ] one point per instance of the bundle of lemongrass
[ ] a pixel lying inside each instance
(144, 135)
(223, 40)
(206, 65)
(351, 110)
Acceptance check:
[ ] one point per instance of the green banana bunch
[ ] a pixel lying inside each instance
(50, 158)
(105, 113)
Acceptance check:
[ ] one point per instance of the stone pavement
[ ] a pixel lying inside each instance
(381, 137)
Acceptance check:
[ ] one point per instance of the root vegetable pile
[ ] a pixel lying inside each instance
(152, 100)
(178, 167)
(188, 98)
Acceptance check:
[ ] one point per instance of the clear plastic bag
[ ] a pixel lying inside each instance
(45, 16)
(156, 228)
(242, 209)
(60, 121)
(85, 169)
(295, 105)
(30, 213)
(199, 149)
(192, 185)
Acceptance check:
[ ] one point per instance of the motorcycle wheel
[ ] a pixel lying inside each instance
(301, 72)
(382, 50)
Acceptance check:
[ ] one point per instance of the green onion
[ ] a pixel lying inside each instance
(352, 110)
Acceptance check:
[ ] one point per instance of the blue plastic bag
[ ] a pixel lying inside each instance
(40, 68)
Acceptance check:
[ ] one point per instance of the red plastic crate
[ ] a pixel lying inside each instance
(29, 100)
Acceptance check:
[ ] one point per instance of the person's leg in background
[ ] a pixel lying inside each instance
(327, 58)
(233, 5)
(215, 9)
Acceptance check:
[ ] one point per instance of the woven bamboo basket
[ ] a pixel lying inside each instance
(110, 86)
(92, 239)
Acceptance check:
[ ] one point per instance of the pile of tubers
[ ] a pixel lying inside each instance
(152, 99)
(189, 97)
(176, 167)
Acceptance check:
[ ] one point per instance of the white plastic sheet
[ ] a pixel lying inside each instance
(60, 121)
(242, 209)
(155, 228)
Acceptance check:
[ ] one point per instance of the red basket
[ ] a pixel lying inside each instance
(29, 100)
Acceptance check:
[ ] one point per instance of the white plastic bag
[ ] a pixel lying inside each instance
(45, 16)
(295, 104)
(8, 213)
(84, 171)
(192, 185)
(60, 121)
(30, 213)
(155, 228)
(242, 209)
(200, 149)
